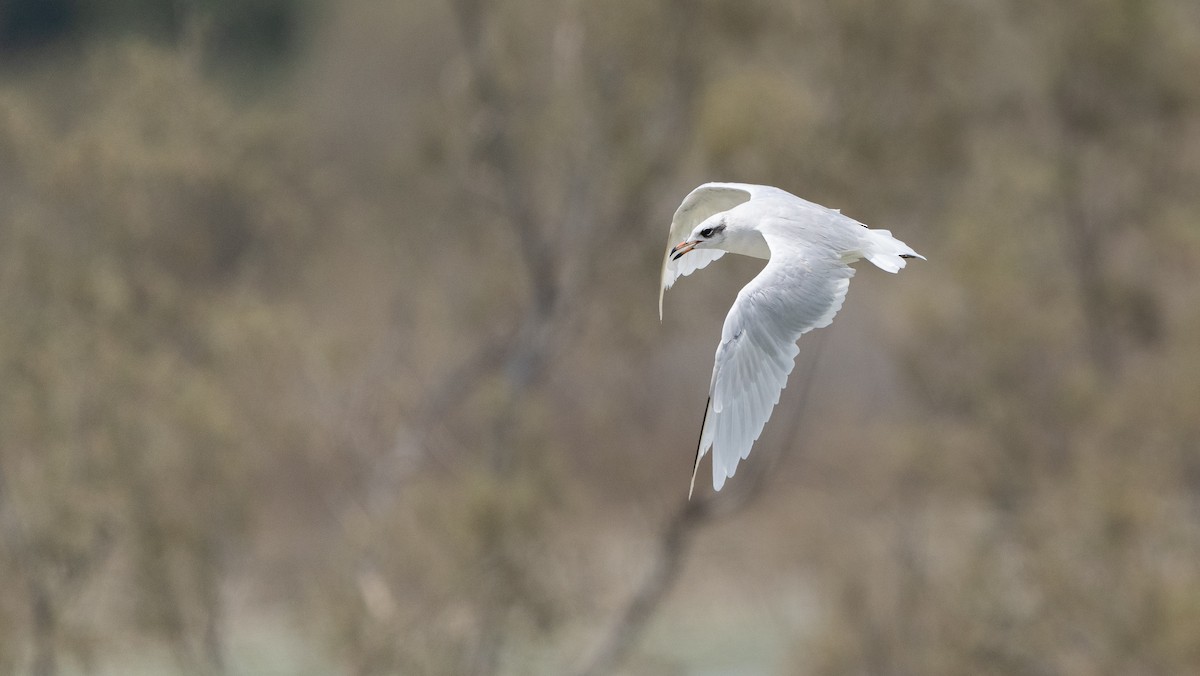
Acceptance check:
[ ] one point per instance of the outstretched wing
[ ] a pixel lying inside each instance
(708, 199)
(801, 289)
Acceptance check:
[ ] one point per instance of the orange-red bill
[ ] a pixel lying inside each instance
(682, 248)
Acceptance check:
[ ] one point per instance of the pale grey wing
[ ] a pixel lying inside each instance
(799, 290)
(708, 199)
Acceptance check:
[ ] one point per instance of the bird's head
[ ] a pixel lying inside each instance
(707, 235)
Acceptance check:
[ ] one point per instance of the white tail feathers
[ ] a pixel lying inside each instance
(887, 252)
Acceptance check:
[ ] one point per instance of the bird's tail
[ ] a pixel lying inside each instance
(887, 252)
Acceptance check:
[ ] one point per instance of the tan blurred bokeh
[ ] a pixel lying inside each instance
(329, 340)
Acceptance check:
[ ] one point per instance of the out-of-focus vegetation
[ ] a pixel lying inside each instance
(349, 363)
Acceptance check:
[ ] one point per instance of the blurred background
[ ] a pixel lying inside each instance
(329, 343)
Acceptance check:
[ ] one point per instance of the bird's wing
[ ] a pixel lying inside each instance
(801, 288)
(708, 199)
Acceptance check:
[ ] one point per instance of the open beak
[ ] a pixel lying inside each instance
(682, 248)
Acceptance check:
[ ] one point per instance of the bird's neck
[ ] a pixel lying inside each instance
(746, 242)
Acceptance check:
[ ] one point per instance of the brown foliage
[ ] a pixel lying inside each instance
(369, 362)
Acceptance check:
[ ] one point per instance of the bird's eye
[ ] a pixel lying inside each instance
(706, 233)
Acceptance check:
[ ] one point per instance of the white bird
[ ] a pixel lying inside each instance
(809, 250)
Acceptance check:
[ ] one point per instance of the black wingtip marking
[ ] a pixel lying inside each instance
(696, 462)
(908, 256)
(707, 405)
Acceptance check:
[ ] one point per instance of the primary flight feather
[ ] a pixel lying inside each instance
(809, 250)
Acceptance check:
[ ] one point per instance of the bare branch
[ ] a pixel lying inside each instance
(497, 150)
(676, 537)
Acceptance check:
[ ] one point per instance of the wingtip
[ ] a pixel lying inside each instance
(696, 464)
(662, 291)
(699, 449)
